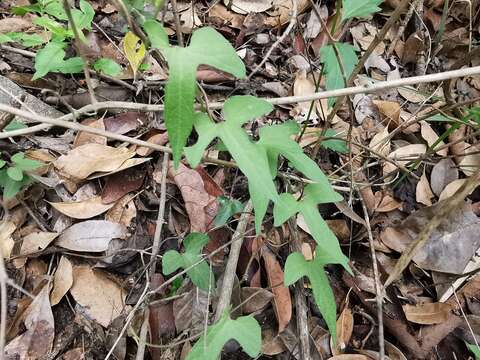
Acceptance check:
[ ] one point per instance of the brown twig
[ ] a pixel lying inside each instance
(178, 25)
(401, 28)
(231, 268)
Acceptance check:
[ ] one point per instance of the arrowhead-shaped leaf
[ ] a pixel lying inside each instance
(245, 330)
(200, 274)
(207, 47)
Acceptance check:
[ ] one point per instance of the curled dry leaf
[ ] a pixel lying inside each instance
(101, 298)
(91, 235)
(304, 85)
(62, 281)
(344, 331)
(385, 202)
(85, 209)
(282, 303)
(403, 156)
(84, 160)
(380, 143)
(443, 173)
(36, 241)
(431, 138)
(423, 192)
(37, 340)
(427, 314)
(122, 212)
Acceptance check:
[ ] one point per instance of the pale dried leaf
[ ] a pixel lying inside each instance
(248, 6)
(423, 192)
(7, 228)
(390, 110)
(431, 138)
(62, 281)
(443, 173)
(451, 189)
(470, 163)
(125, 165)
(101, 298)
(91, 235)
(344, 331)
(37, 340)
(271, 343)
(85, 209)
(427, 314)
(403, 156)
(36, 241)
(84, 160)
(123, 212)
(380, 143)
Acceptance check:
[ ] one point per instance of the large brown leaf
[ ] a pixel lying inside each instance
(85, 209)
(427, 314)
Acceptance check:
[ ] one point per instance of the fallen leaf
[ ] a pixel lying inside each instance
(254, 299)
(380, 143)
(221, 12)
(124, 122)
(37, 340)
(134, 50)
(350, 357)
(101, 298)
(470, 162)
(403, 156)
(443, 173)
(122, 212)
(190, 310)
(344, 331)
(248, 6)
(91, 235)
(390, 110)
(282, 303)
(158, 139)
(423, 193)
(431, 138)
(427, 314)
(85, 209)
(15, 24)
(121, 183)
(282, 11)
(84, 137)
(272, 344)
(124, 166)
(84, 160)
(451, 189)
(62, 280)
(385, 202)
(36, 241)
(7, 228)
(304, 85)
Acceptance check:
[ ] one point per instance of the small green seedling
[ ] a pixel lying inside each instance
(13, 177)
(206, 47)
(337, 145)
(474, 349)
(200, 274)
(359, 9)
(245, 330)
(107, 66)
(228, 208)
(296, 267)
(51, 58)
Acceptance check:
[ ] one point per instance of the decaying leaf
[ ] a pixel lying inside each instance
(427, 314)
(7, 228)
(423, 192)
(255, 299)
(84, 160)
(470, 162)
(91, 235)
(62, 281)
(431, 138)
(451, 189)
(380, 143)
(248, 6)
(282, 302)
(85, 209)
(122, 212)
(101, 298)
(36, 241)
(344, 331)
(443, 173)
(403, 156)
(37, 340)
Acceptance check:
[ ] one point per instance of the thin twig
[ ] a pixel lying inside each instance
(287, 31)
(178, 25)
(378, 287)
(402, 27)
(231, 268)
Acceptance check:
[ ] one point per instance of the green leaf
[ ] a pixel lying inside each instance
(2, 163)
(15, 125)
(4, 38)
(134, 50)
(25, 164)
(58, 31)
(27, 40)
(314, 194)
(83, 18)
(359, 8)
(55, 9)
(207, 47)
(200, 274)
(228, 208)
(474, 349)
(15, 173)
(245, 330)
(10, 186)
(107, 66)
(71, 66)
(51, 59)
(339, 145)
(296, 267)
(156, 34)
(251, 158)
(334, 77)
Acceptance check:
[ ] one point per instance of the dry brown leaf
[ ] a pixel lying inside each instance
(385, 202)
(427, 314)
(364, 34)
(423, 193)
(249, 6)
(36, 241)
(403, 156)
(281, 14)
(15, 23)
(158, 139)
(350, 357)
(344, 331)
(304, 85)
(282, 303)
(84, 137)
(254, 299)
(271, 343)
(390, 110)
(451, 189)
(62, 281)
(91, 235)
(221, 12)
(470, 163)
(120, 184)
(443, 173)
(37, 340)
(122, 212)
(7, 228)
(380, 143)
(124, 166)
(84, 160)
(101, 298)
(85, 209)
(431, 137)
